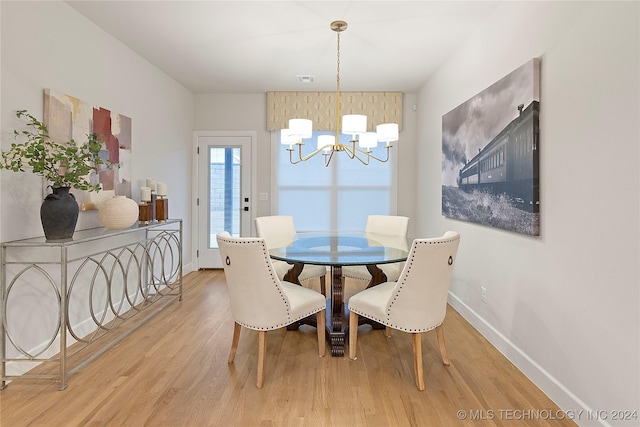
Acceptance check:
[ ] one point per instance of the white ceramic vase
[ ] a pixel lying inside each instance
(118, 212)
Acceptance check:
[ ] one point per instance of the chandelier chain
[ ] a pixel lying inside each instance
(338, 92)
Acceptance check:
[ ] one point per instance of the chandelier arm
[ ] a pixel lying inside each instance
(290, 150)
(370, 155)
(352, 153)
(327, 158)
(308, 156)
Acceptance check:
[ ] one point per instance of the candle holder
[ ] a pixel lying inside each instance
(162, 208)
(154, 197)
(145, 214)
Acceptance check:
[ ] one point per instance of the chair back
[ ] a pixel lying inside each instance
(257, 299)
(418, 302)
(276, 230)
(388, 240)
(390, 225)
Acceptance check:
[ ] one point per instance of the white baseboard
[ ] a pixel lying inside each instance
(572, 406)
(187, 268)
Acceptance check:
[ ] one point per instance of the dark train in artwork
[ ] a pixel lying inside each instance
(508, 164)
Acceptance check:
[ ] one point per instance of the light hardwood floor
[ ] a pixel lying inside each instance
(173, 371)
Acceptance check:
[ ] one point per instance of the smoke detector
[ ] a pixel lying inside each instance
(305, 79)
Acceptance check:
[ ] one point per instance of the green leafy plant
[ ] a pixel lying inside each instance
(62, 164)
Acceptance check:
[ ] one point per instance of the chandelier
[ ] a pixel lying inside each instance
(359, 145)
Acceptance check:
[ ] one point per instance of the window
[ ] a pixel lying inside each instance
(337, 197)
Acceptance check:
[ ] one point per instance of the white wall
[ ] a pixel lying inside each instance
(563, 306)
(50, 45)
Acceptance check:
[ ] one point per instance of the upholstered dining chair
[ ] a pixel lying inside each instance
(259, 300)
(278, 230)
(383, 225)
(416, 303)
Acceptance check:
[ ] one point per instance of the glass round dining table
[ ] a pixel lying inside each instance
(336, 250)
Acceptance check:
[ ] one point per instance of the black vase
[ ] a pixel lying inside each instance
(59, 214)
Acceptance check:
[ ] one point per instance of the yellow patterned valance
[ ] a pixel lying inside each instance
(320, 107)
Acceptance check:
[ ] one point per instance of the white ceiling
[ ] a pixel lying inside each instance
(260, 46)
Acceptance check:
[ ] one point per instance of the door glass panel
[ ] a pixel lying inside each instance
(224, 192)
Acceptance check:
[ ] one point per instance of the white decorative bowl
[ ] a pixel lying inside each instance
(118, 212)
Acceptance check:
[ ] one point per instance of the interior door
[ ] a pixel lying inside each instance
(224, 192)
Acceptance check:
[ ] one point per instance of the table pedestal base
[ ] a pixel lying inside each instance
(337, 309)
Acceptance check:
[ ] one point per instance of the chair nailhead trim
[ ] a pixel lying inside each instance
(408, 267)
(275, 282)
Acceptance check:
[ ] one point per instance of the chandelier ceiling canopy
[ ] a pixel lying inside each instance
(360, 143)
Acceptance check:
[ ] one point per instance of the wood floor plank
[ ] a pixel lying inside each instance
(173, 371)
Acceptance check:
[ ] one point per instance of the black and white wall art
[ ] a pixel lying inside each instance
(490, 155)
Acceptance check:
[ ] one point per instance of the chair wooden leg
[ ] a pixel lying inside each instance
(353, 335)
(234, 342)
(262, 349)
(323, 287)
(443, 348)
(320, 325)
(417, 360)
(387, 332)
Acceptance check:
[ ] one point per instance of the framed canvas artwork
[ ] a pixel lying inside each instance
(490, 155)
(69, 118)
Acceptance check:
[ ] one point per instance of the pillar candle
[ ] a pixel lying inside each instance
(145, 194)
(151, 183)
(162, 189)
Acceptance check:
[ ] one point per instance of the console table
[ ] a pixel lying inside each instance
(67, 294)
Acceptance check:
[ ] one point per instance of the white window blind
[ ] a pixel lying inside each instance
(338, 197)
